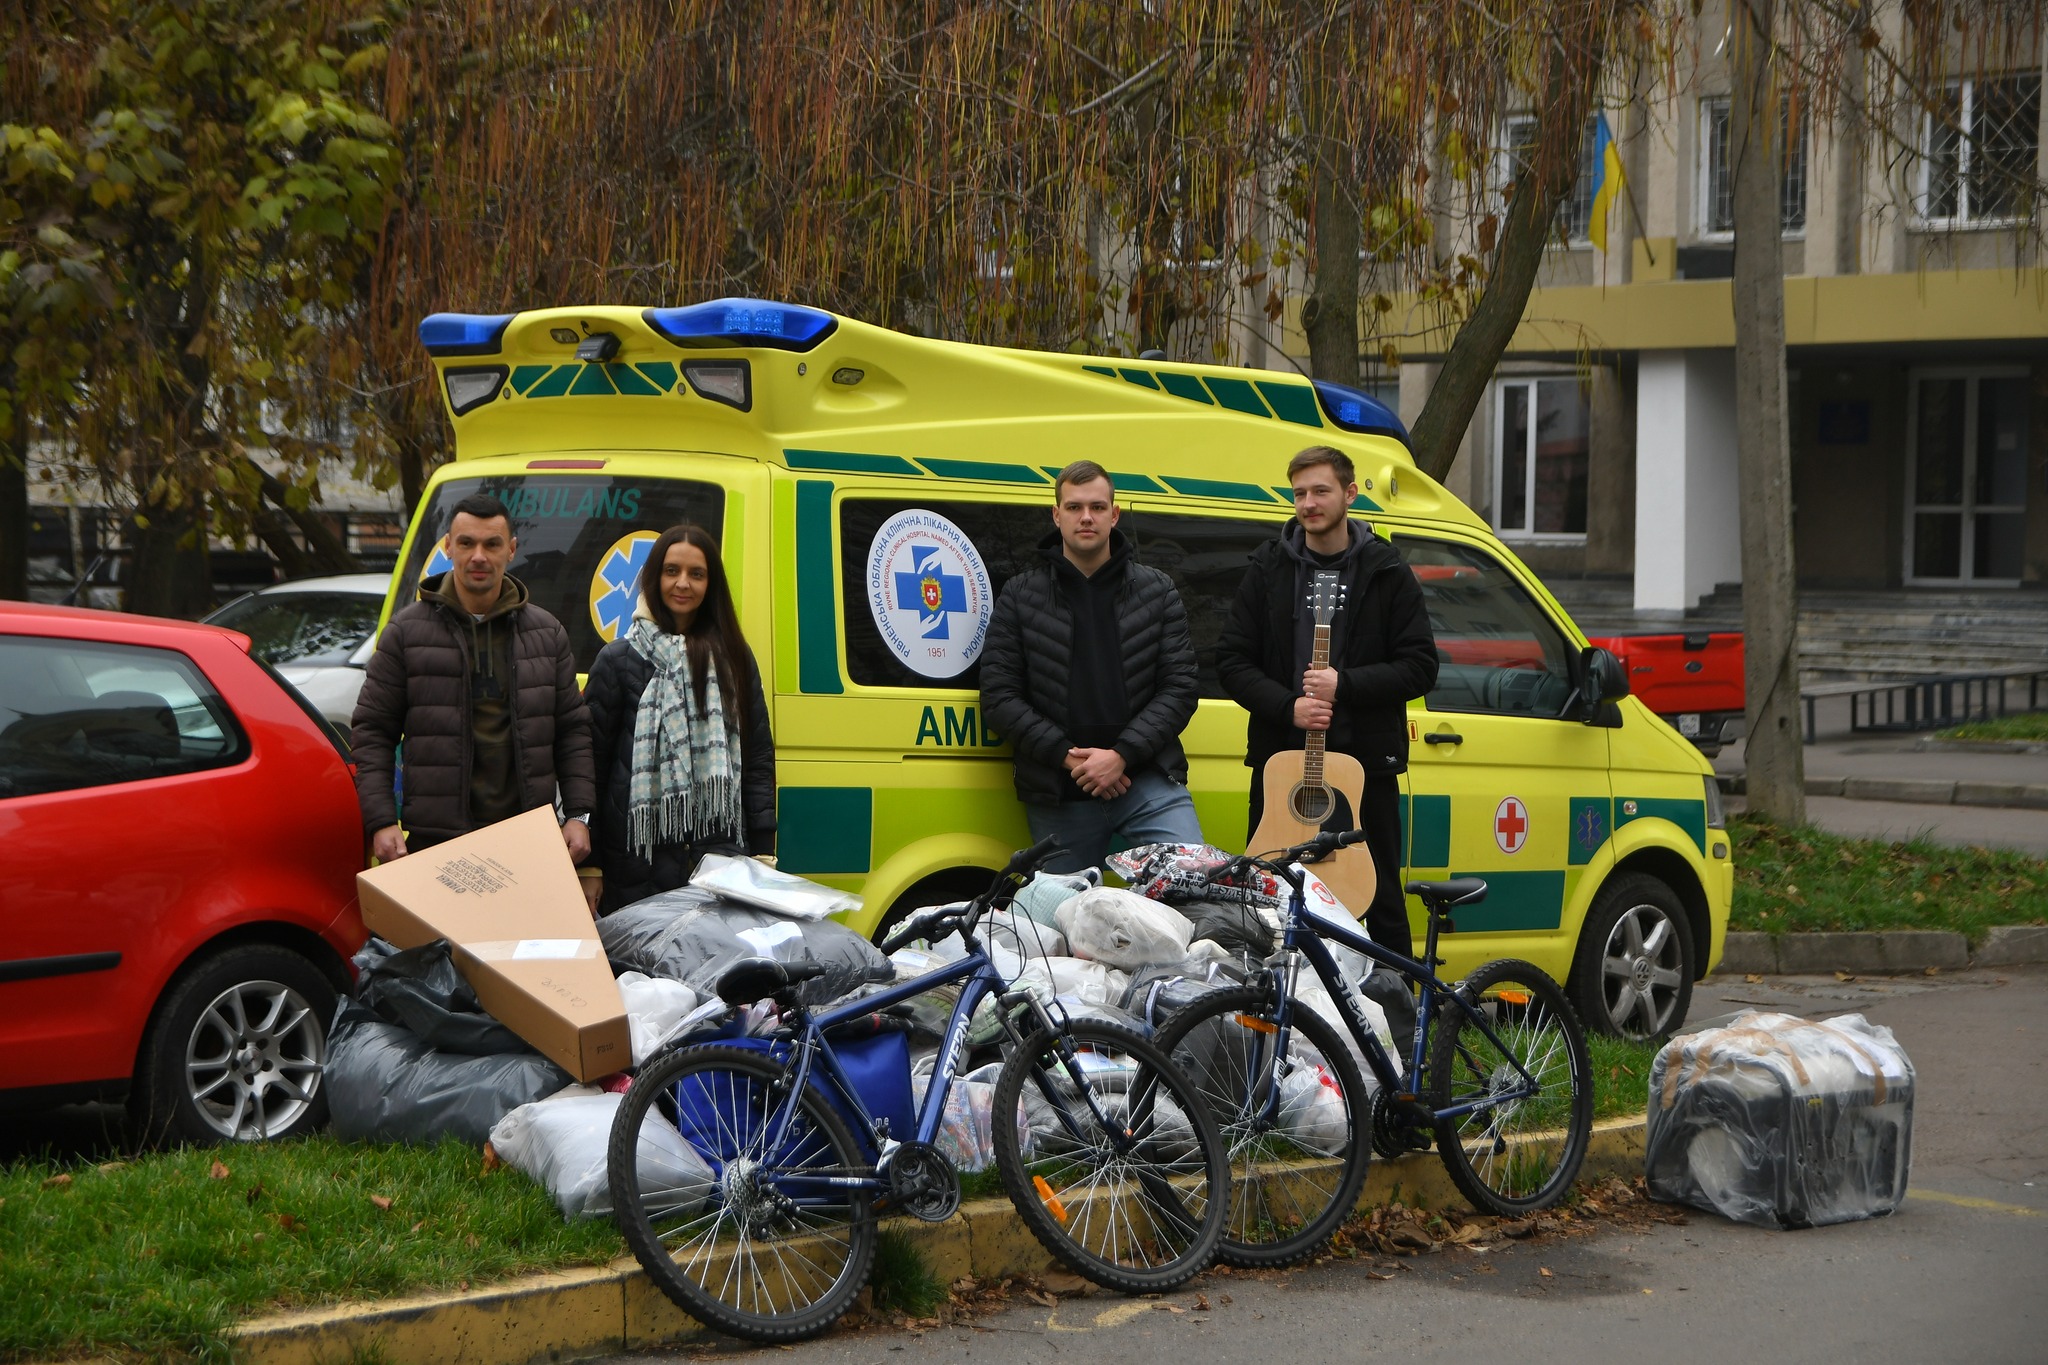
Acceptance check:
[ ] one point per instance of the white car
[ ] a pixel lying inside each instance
(316, 632)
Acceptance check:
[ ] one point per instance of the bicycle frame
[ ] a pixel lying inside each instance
(1304, 937)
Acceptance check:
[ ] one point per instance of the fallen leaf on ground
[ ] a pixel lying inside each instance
(253, 1193)
(1844, 976)
(382, 1201)
(57, 1182)
(1063, 1282)
(1168, 1308)
(288, 1222)
(1375, 1275)
(1518, 1227)
(1201, 1303)
(417, 1226)
(1043, 1300)
(491, 1159)
(218, 1172)
(105, 1166)
(1753, 978)
(1544, 1271)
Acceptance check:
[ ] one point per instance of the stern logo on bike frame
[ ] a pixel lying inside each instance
(929, 593)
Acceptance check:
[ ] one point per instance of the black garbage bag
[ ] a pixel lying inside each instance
(1158, 992)
(420, 990)
(1236, 928)
(692, 935)
(1390, 991)
(384, 1084)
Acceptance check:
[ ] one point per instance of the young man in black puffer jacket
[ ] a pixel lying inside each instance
(480, 685)
(1090, 672)
(1382, 653)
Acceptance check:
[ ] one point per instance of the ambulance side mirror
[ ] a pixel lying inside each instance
(1605, 682)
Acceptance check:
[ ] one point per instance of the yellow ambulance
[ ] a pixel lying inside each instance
(873, 491)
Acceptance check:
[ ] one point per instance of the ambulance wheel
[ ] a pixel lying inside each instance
(940, 888)
(1634, 970)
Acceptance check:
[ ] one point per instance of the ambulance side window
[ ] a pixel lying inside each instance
(1497, 650)
(1206, 559)
(1004, 536)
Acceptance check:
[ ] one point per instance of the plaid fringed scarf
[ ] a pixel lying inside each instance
(686, 777)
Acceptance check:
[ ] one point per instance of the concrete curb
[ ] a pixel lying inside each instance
(601, 1309)
(1922, 791)
(1891, 950)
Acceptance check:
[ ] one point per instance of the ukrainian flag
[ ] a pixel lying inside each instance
(1607, 180)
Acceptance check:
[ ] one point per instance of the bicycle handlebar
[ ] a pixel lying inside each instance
(1280, 863)
(1022, 864)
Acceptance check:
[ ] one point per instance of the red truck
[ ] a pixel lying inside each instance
(1692, 679)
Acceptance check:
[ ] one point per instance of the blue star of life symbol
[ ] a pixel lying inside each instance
(620, 573)
(1590, 827)
(930, 591)
(437, 562)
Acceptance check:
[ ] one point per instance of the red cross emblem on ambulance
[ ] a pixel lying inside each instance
(1511, 824)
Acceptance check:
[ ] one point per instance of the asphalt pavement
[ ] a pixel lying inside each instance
(1954, 1273)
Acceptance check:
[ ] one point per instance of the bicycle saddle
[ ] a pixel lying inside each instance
(758, 978)
(1441, 896)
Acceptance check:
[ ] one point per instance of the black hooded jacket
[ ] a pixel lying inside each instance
(1026, 669)
(1381, 646)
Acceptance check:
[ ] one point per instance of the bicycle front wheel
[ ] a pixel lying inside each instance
(1297, 1126)
(1519, 1145)
(749, 1205)
(1121, 1176)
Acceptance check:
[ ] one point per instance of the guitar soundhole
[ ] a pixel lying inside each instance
(1312, 805)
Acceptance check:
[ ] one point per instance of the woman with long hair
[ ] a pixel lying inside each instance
(679, 722)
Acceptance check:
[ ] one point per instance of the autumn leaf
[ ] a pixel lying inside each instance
(218, 1172)
(382, 1201)
(491, 1159)
(57, 1182)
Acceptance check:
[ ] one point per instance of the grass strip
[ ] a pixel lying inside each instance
(2025, 726)
(158, 1257)
(1805, 880)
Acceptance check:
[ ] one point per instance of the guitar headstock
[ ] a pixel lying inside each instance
(1326, 594)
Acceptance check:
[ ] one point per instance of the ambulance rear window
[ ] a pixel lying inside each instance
(582, 540)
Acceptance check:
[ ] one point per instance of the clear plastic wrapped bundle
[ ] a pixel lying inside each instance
(1781, 1121)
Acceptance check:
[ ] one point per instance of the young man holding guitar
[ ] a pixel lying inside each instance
(1326, 644)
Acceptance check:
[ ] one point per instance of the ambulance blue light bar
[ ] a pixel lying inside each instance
(1355, 410)
(742, 322)
(464, 333)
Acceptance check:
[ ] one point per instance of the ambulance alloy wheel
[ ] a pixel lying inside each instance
(1634, 970)
(237, 1050)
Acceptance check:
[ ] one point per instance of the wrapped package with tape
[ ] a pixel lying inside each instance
(749, 881)
(1782, 1122)
(1123, 929)
(692, 935)
(562, 1144)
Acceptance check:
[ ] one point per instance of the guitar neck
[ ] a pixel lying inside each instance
(1312, 748)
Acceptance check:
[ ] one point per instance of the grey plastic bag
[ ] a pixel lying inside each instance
(386, 1085)
(692, 936)
(420, 990)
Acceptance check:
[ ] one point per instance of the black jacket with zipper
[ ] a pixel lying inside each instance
(1382, 648)
(1026, 667)
(618, 680)
(416, 688)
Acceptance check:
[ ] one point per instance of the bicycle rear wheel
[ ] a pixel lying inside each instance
(1511, 1156)
(1296, 1171)
(745, 1232)
(1134, 1200)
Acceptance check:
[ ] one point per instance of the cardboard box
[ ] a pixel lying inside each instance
(506, 897)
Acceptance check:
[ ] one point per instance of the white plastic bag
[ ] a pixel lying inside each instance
(561, 1144)
(1123, 929)
(1022, 936)
(752, 882)
(655, 1005)
(1312, 1109)
(967, 1130)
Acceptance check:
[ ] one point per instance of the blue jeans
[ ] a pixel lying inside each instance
(1155, 809)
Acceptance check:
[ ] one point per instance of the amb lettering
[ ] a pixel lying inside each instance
(959, 727)
(611, 504)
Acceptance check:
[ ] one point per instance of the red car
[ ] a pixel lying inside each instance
(179, 839)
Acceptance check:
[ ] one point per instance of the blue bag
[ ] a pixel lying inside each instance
(877, 1067)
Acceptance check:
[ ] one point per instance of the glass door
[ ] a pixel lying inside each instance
(1967, 484)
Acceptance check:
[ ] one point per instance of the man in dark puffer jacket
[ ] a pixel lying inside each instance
(480, 684)
(1382, 653)
(1090, 671)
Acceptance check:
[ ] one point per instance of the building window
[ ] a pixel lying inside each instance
(1541, 458)
(1967, 484)
(1717, 173)
(1518, 139)
(1980, 149)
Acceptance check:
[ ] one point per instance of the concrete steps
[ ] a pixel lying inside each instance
(1850, 635)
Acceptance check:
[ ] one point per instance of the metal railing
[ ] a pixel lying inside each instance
(1933, 703)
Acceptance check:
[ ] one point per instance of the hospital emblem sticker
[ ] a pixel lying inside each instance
(929, 593)
(615, 587)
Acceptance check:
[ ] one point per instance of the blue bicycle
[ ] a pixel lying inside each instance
(747, 1175)
(1497, 1075)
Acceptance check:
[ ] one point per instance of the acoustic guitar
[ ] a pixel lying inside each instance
(1302, 784)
